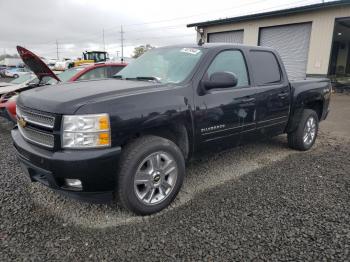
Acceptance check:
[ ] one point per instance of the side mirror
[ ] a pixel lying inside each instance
(221, 80)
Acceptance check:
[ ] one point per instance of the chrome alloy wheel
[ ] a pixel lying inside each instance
(155, 178)
(309, 131)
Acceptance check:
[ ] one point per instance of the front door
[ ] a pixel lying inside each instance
(221, 114)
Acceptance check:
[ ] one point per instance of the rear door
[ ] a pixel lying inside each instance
(271, 92)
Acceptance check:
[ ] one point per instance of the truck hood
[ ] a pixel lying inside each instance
(9, 88)
(34, 63)
(2, 84)
(67, 98)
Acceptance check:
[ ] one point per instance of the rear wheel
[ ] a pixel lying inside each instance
(15, 76)
(305, 135)
(150, 175)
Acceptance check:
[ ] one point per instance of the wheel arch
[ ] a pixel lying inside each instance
(314, 103)
(175, 132)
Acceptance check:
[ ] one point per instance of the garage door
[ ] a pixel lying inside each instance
(226, 37)
(292, 43)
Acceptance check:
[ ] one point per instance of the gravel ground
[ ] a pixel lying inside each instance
(261, 201)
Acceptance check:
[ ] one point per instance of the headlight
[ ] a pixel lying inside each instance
(86, 131)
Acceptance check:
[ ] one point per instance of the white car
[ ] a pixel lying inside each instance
(51, 63)
(15, 72)
(62, 65)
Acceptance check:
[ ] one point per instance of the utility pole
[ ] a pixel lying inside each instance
(57, 50)
(122, 42)
(103, 39)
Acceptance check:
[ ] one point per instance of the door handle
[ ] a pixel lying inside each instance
(283, 95)
(248, 100)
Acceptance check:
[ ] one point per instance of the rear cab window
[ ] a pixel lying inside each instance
(96, 73)
(265, 68)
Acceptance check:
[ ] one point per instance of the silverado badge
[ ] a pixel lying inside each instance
(21, 122)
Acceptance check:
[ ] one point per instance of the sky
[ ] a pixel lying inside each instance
(79, 25)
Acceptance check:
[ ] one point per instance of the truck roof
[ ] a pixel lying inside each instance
(216, 45)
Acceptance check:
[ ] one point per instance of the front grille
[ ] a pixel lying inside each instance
(36, 118)
(38, 137)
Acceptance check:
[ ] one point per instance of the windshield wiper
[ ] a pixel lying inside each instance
(148, 78)
(140, 78)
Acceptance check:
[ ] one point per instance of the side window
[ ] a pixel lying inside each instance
(265, 68)
(230, 61)
(97, 73)
(114, 70)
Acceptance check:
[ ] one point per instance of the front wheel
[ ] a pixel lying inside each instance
(151, 172)
(15, 76)
(305, 135)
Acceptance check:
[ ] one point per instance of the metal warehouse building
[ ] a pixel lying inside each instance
(312, 40)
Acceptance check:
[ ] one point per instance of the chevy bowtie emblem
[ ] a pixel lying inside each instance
(21, 122)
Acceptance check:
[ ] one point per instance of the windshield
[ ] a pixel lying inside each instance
(166, 65)
(21, 79)
(66, 75)
(96, 56)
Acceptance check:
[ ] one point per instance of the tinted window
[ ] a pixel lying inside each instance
(97, 73)
(265, 68)
(114, 70)
(230, 61)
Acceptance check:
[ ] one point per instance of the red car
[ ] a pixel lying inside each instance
(46, 76)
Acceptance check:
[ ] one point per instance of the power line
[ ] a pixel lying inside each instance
(174, 26)
(178, 18)
(146, 39)
(198, 14)
(94, 36)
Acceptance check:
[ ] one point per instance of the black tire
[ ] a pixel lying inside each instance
(15, 76)
(132, 156)
(295, 138)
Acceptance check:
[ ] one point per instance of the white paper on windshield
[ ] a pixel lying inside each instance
(192, 51)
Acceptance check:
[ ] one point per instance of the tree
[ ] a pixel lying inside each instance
(140, 50)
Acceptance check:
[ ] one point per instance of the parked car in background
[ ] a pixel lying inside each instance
(15, 72)
(8, 107)
(51, 63)
(43, 72)
(90, 72)
(63, 65)
(130, 137)
(2, 69)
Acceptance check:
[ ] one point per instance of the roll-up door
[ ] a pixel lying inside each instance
(292, 43)
(226, 37)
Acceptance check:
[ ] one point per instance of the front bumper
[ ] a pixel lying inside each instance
(96, 169)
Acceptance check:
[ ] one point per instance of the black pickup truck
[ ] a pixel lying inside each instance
(130, 137)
